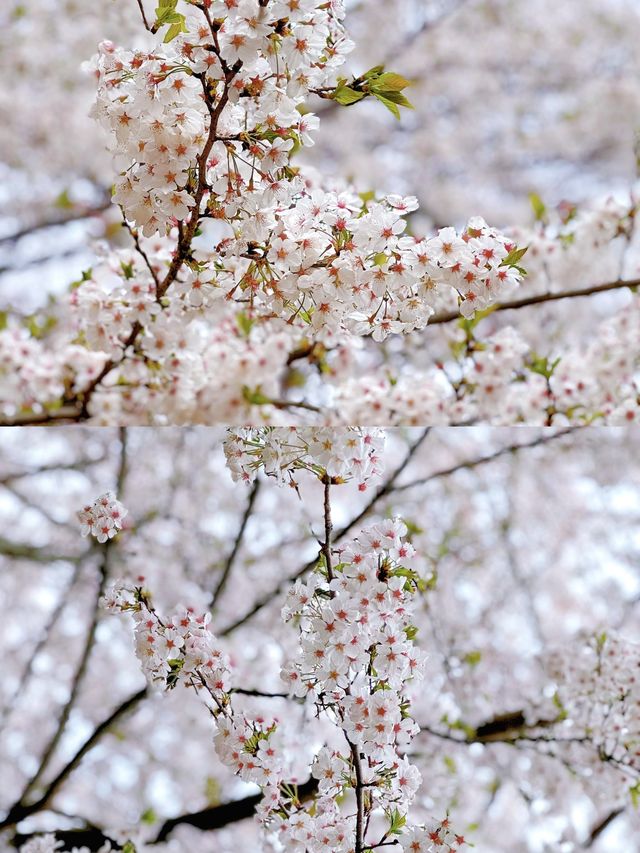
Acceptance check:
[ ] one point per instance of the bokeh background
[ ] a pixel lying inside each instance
(529, 537)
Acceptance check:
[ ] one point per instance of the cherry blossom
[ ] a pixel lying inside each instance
(103, 518)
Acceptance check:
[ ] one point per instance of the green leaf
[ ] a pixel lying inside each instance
(635, 794)
(245, 323)
(390, 82)
(542, 365)
(367, 196)
(86, 276)
(4, 320)
(345, 95)
(175, 30)
(562, 711)
(396, 822)
(127, 269)
(393, 108)
(255, 397)
(373, 72)
(148, 816)
(513, 257)
(166, 14)
(392, 100)
(539, 207)
(411, 632)
(129, 847)
(473, 658)
(63, 201)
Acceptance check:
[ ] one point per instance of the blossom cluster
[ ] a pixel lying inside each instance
(240, 257)
(103, 518)
(598, 697)
(331, 261)
(356, 655)
(498, 378)
(183, 651)
(237, 75)
(336, 454)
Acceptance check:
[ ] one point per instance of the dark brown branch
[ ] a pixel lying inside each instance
(328, 528)
(224, 577)
(208, 819)
(544, 438)
(73, 216)
(152, 29)
(136, 239)
(69, 414)
(187, 232)
(600, 827)
(359, 792)
(259, 693)
(450, 316)
(20, 811)
(219, 816)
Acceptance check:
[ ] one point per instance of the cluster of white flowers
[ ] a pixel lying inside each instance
(103, 518)
(257, 60)
(597, 699)
(438, 837)
(355, 657)
(338, 454)
(229, 232)
(356, 654)
(182, 650)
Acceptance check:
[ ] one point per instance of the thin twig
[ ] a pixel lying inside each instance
(224, 577)
(467, 465)
(144, 18)
(359, 791)
(328, 528)
(450, 316)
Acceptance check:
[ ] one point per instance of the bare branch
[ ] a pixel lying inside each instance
(72, 216)
(544, 438)
(20, 812)
(450, 316)
(224, 577)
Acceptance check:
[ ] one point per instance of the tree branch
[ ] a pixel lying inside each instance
(328, 528)
(450, 316)
(219, 816)
(20, 812)
(224, 577)
(545, 438)
(55, 223)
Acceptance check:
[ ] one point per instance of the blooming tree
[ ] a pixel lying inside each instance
(256, 290)
(302, 664)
